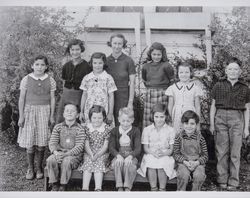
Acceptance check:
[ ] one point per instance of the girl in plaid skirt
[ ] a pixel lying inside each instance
(157, 75)
(36, 111)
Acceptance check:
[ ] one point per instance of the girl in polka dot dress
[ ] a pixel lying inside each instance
(96, 146)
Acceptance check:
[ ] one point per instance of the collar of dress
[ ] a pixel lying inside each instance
(99, 129)
(40, 78)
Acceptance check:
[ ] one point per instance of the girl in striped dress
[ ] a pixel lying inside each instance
(157, 75)
(36, 112)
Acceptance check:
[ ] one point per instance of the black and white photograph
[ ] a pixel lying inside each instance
(124, 97)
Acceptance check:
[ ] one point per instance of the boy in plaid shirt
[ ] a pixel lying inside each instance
(229, 118)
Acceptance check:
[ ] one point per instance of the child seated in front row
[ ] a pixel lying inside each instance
(125, 148)
(158, 141)
(190, 153)
(96, 146)
(66, 145)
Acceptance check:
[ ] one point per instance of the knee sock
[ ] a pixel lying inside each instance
(40, 156)
(30, 159)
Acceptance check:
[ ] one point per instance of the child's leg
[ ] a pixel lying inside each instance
(40, 156)
(222, 146)
(152, 177)
(98, 180)
(183, 175)
(66, 169)
(199, 177)
(30, 158)
(53, 169)
(86, 180)
(130, 174)
(118, 174)
(162, 179)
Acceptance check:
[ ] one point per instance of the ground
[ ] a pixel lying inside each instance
(13, 168)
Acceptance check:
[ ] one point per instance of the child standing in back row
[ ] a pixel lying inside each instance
(229, 120)
(36, 112)
(183, 95)
(158, 141)
(157, 76)
(98, 89)
(72, 75)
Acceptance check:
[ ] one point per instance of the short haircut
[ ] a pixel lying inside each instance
(126, 111)
(157, 46)
(159, 108)
(97, 109)
(76, 106)
(185, 64)
(234, 60)
(99, 55)
(75, 42)
(118, 36)
(45, 59)
(187, 115)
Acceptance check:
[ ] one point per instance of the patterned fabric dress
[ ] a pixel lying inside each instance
(98, 89)
(184, 99)
(96, 138)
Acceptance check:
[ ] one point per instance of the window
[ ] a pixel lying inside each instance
(178, 9)
(121, 9)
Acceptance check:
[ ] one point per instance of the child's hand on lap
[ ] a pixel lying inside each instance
(128, 160)
(21, 121)
(119, 160)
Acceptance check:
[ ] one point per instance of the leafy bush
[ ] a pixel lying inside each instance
(25, 33)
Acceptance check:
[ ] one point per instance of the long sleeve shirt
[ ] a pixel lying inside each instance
(180, 157)
(70, 138)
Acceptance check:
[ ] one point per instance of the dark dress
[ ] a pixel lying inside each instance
(120, 69)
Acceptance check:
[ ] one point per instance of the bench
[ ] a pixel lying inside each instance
(109, 176)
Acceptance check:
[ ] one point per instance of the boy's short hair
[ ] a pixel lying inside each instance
(97, 109)
(234, 60)
(187, 115)
(127, 111)
(76, 106)
(159, 108)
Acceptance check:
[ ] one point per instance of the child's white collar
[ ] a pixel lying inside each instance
(40, 78)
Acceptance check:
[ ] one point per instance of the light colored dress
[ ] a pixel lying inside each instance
(184, 99)
(96, 138)
(98, 89)
(158, 140)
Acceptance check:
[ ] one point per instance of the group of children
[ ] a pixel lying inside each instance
(95, 117)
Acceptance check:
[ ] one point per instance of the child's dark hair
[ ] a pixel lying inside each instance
(99, 55)
(159, 108)
(45, 59)
(97, 109)
(234, 60)
(185, 64)
(75, 42)
(76, 106)
(157, 46)
(187, 115)
(118, 36)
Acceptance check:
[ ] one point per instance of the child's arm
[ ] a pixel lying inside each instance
(246, 119)
(102, 151)
(131, 90)
(178, 156)
(88, 149)
(21, 104)
(83, 101)
(212, 115)
(170, 105)
(111, 107)
(147, 150)
(167, 152)
(197, 105)
(52, 107)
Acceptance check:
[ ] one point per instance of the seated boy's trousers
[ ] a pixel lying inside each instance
(66, 166)
(228, 140)
(184, 174)
(128, 173)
